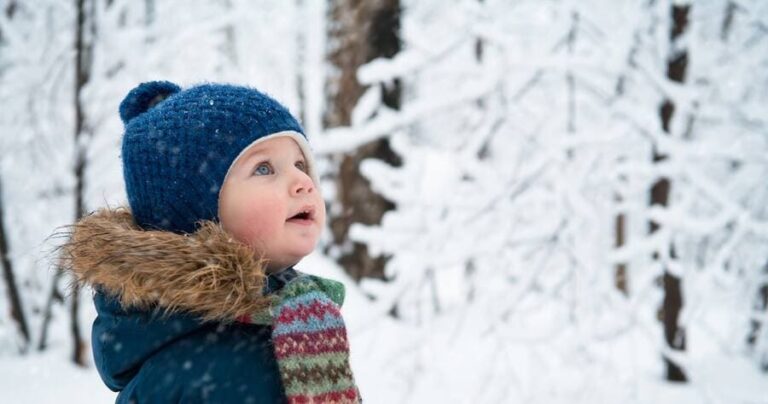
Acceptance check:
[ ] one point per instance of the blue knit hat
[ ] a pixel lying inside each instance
(179, 145)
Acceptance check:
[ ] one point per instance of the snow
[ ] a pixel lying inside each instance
(501, 281)
(50, 377)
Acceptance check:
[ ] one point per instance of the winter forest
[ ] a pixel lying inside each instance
(529, 201)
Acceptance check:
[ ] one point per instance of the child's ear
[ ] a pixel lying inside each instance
(144, 97)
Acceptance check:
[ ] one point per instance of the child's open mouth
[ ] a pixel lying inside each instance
(306, 215)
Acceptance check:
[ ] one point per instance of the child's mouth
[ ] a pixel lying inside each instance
(305, 215)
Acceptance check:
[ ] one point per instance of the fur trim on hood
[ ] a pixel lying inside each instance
(207, 273)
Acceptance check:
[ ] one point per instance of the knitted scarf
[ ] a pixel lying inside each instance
(310, 341)
(218, 279)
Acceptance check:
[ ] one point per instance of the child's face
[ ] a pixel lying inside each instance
(269, 202)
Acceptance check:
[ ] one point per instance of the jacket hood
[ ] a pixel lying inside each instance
(153, 287)
(206, 273)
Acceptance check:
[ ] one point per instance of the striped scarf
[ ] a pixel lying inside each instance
(310, 339)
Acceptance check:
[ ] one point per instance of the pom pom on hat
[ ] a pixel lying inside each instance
(144, 97)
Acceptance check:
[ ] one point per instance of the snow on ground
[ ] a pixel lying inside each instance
(50, 377)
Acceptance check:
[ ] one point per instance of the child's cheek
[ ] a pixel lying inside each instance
(262, 221)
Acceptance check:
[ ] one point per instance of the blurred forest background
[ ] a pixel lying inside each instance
(530, 201)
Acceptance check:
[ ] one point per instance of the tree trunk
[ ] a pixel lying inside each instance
(85, 31)
(14, 300)
(677, 64)
(10, 11)
(757, 326)
(620, 270)
(358, 32)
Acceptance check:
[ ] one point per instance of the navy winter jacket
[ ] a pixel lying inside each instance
(178, 359)
(197, 354)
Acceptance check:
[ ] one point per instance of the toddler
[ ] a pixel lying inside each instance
(195, 290)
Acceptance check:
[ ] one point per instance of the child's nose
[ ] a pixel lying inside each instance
(302, 183)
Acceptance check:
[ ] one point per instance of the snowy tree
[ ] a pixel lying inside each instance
(524, 149)
(676, 69)
(358, 32)
(17, 313)
(517, 166)
(36, 93)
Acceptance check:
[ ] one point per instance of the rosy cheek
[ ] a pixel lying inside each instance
(258, 223)
(255, 227)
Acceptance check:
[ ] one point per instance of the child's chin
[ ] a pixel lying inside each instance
(305, 247)
(298, 254)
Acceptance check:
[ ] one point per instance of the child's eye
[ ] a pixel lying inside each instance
(263, 169)
(301, 165)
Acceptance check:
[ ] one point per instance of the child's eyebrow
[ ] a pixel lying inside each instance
(252, 155)
(261, 152)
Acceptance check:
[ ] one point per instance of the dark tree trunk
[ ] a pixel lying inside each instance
(677, 64)
(757, 326)
(10, 11)
(14, 300)
(620, 270)
(359, 32)
(85, 31)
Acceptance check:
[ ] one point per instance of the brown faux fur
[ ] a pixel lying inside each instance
(206, 273)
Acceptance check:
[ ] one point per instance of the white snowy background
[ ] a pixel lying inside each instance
(516, 165)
